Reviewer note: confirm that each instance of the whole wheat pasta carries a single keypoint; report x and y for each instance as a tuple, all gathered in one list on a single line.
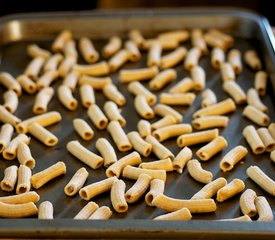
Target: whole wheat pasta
[(141, 74), (210, 122), (42, 134), (220, 108), (9, 82), (138, 189), (234, 58), (23, 181), (264, 209), (156, 187), (96, 188), (198, 173), (118, 60), (164, 110), (217, 57), (84, 155), (271, 129), (45, 119), (118, 135), (173, 58), (66, 97), (253, 99), (253, 139), (10, 152), (10, 101), (137, 88), (42, 100), (162, 79), (117, 196), (107, 151), (182, 99), (95, 70), (111, 92), (158, 149), (112, 112), (27, 84), (59, 43), (6, 132), (71, 80), (46, 79), (163, 122), (227, 72), (34, 67), (102, 213), (17, 210), (143, 108), (213, 41), (252, 59), (183, 86), (247, 202), (70, 49), (21, 198), (164, 164), (117, 168), (41, 178), (266, 138), (210, 189), (87, 95), (45, 210), (136, 36), (170, 131), (256, 116), (231, 189), (66, 66), (260, 178), (212, 148), (228, 40), (10, 178), (244, 218), (178, 35), (95, 82), (192, 58), (97, 117), (181, 214), (133, 51), (197, 40), (194, 205), (198, 76), (33, 50), (260, 82), (131, 172), (83, 129), (165, 43), (87, 50), (141, 146), (190, 139), (113, 46), (24, 155), (181, 159), (208, 98), (52, 63), (232, 158), (144, 128), (154, 54), (235, 91), (87, 211), (76, 182)]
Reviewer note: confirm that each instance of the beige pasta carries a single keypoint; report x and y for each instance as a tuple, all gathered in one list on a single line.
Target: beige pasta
[(66, 97), (95, 82), (76, 182), (260, 82), (84, 155), (235, 91), (143, 108), (24, 155), (210, 122), (141, 146), (21, 198), (136, 36), (10, 101), (197, 40), (178, 35), (181, 214), (111, 92), (42, 99), (27, 84), (59, 43), (266, 138), (181, 159), (23, 181), (247, 202), (71, 80), (70, 49), (256, 116), (95, 70), (182, 99), (164, 164), (163, 122), (107, 151), (260, 178), (112, 112), (164, 110), (156, 187), (97, 117), (173, 58), (118, 60), (253, 139), (88, 50), (154, 54), (183, 86), (131, 172), (198, 173), (232, 158), (6, 133), (227, 72), (116, 169), (144, 128), (66, 66), (46, 79), (252, 59), (17, 210), (87, 211), (141, 74), (254, 100), (192, 58), (10, 178), (228, 40), (208, 98), (234, 58), (9, 82), (271, 129), (133, 51), (190, 139), (272, 155), (244, 218), (118, 196), (210, 189), (217, 57), (83, 129), (34, 67), (162, 79), (87, 95), (198, 76), (113, 46), (42, 134), (53, 62), (264, 210), (102, 213), (34, 50), (231, 189), (137, 88), (45, 210), (212, 41), (41, 178)]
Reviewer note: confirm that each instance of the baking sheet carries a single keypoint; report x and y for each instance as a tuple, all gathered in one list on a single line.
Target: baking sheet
[(250, 32)]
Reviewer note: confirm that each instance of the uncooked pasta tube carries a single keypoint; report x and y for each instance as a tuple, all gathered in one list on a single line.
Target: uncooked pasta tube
[(260, 178), (24, 155), (21, 198), (183, 86), (173, 58), (232, 158), (194, 205), (133, 51), (266, 138), (118, 60), (192, 58), (66, 66), (102, 213), (23, 181), (71, 80), (198, 173), (66, 97), (208, 98), (260, 82), (107, 151), (10, 101), (34, 67), (163, 122), (154, 54), (197, 40), (87, 211), (220, 108), (272, 155), (164, 164), (253, 139), (6, 132), (244, 218), (213, 41), (271, 129), (198, 76), (53, 62), (17, 210), (111, 92), (234, 58), (137, 88), (212, 148), (181, 214), (41, 178), (95, 82), (117, 168), (42, 100), (252, 59), (256, 116), (118, 135), (143, 108), (164, 110), (210, 122), (141, 146), (227, 72), (228, 40), (141, 74), (9, 82), (76, 182), (182, 99), (235, 91), (97, 117), (138, 189), (181, 159), (113, 46), (247, 202), (162, 79), (112, 112), (197, 137), (83, 129), (136, 36), (70, 49), (84, 155), (210, 189), (27, 84), (95, 70), (178, 35), (158, 149), (7, 117), (253, 99), (34, 50), (118, 196), (231, 189), (59, 43), (87, 95), (156, 187), (96, 188), (217, 57), (88, 50), (46, 79), (45, 210), (144, 128), (10, 178), (131, 172), (264, 209)]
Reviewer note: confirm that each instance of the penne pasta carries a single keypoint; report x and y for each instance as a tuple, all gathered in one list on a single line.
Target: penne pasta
[(137, 88), (10, 101), (97, 117), (156, 188), (162, 79), (254, 100), (266, 138), (197, 40), (264, 209), (181, 214), (235, 91), (107, 151), (154, 54), (181, 159), (27, 84), (260, 82), (217, 57), (46, 79), (87, 95), (87, 211), (53, 62), (182, 99), (83, 129), (71, 80), (133, 51), (23, 181), (173, 58), (10, 83), (183, 86), (66, 97), (112, 112), (164, 164), (141, 74), (111, 92), (143, 108), (131, 172), (118, 60), (163, 122), (192, 58), (95, 82), (6, 133), (9, 179), (164, 110), (252, 59), (227, 72), (234, 58), (34, 67), (45, 210), (24, 155), (256, 116), (231, 189), (208, 98), (135, 35), (102, 213), (59, 43), (33, 50), (17, 210), (87, 50), (247, 202), (144, 128), (21, 198), (113, 46), (253, 139), (198, 173), (141, 146), (42, 99), (117, 196), (95, 70)]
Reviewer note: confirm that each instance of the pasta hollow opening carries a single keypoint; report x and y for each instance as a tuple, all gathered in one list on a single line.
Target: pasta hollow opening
[(226, 165), (22, 189), (30, 163)]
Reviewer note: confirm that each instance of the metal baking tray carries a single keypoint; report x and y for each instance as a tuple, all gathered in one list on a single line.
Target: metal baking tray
[(249, 30)]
